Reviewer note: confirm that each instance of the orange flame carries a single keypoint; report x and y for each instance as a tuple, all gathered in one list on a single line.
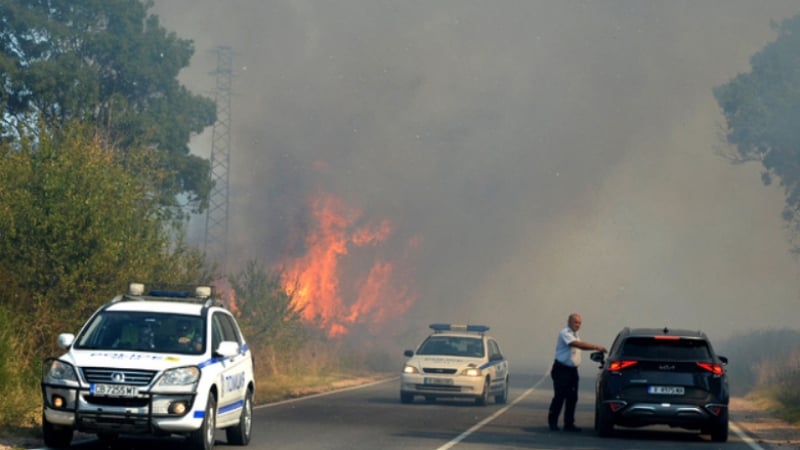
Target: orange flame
[(371, 293)]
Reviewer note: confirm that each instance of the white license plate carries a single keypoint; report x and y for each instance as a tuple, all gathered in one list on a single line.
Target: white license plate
[(115, 390), (665, 390), (443, 381)]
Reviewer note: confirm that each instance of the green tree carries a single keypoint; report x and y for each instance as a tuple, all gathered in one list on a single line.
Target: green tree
[(108, 62), (267, 315), (762, 111), (78, 221)]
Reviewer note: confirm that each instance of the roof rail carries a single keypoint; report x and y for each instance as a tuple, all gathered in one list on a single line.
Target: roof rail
[(178, 293)]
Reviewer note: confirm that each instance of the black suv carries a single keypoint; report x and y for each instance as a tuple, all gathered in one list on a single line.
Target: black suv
[(662, 377)]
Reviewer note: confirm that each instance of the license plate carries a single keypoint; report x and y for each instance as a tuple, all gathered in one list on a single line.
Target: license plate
[(115, 390), (665, 390), (444, 381)]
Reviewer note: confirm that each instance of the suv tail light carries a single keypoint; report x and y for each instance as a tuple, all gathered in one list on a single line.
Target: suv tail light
[(616, 405), (619, 365), (716, 369)]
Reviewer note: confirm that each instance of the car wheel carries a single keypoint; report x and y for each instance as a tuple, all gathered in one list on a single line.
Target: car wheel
[(56, 436), (603, 423), (239, 434), (719, 433), (483, 399), (503, 397), (203, 437), (406, 398)]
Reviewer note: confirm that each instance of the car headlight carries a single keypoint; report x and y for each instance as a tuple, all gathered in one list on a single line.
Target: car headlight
[(180, 379), (410, 369), (56, 371), (471, 372)]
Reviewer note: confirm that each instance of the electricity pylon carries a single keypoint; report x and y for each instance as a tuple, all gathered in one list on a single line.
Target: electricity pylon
[(216, 236)]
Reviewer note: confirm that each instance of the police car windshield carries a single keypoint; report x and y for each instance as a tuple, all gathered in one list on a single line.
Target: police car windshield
[(143, 331), (452, 346)]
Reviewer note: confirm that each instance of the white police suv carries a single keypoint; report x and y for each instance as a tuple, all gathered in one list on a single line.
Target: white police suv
[(456, 361), (156, 362)]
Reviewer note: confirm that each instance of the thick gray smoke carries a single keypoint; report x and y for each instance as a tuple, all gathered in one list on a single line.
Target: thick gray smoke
[(550, 157)]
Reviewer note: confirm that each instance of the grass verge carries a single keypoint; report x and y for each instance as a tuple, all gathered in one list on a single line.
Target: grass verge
[(283, 387), (781, 400)]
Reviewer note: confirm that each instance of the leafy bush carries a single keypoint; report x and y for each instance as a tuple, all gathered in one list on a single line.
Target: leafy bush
[(78, 221)]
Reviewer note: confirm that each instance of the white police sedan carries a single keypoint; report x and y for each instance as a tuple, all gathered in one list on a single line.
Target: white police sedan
[(456, 361)]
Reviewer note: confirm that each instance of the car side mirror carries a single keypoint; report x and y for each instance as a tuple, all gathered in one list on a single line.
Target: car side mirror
[(408, 353), (598, 357), (65, 340), (227, 349), (723, 359)]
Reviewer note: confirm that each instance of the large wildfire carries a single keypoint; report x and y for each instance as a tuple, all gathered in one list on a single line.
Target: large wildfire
[(345, 276)]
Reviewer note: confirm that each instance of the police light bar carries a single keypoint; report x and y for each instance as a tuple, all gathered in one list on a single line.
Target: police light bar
[(201, 292), (452, 327), (171, 294)]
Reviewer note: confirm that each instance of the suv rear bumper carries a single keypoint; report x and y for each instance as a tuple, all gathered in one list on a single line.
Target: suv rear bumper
[(672, 414)]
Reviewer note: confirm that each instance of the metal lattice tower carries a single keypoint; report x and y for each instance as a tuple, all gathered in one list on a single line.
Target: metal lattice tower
[(216, 238)]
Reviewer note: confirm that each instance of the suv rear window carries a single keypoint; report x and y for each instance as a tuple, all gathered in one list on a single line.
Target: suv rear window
[(675, 350)]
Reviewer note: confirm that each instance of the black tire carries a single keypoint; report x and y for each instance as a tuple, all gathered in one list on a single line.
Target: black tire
[(603, 424), (56, 436), (719, 433), (203, 438), (240, 433), (406, 398), (502, 398), (483, 399)]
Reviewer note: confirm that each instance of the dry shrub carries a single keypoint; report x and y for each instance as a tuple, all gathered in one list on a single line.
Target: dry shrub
[(20, 404), (787, 388), (759, 358)]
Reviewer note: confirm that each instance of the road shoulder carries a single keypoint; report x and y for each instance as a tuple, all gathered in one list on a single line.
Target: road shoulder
[(754, 417)]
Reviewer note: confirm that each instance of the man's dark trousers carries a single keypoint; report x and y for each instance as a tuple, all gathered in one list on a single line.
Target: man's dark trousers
[(565, 386)]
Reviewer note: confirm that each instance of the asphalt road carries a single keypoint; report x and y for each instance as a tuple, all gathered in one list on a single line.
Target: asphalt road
[(372, 417)]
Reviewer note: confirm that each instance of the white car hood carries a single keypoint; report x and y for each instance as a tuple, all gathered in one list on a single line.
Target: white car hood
[(129, 359), (444, 362)]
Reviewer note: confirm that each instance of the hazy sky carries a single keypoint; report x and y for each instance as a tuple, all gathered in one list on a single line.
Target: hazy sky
[(549, 156)]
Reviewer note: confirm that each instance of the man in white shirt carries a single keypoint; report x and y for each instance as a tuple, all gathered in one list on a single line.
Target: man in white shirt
[(565, 373)]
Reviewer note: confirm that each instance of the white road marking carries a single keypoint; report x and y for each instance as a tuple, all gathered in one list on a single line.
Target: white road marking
[(744, 437), (487, 420)]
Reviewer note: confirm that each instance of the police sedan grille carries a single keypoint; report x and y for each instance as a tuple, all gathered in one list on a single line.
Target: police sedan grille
[(438, 370), (105, 375)]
